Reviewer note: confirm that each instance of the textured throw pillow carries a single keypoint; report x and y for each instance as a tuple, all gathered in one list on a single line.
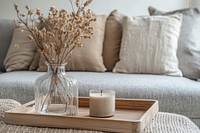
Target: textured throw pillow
[(149, 45), (20, 53), (112, 40), (189, 41), (89, 57)]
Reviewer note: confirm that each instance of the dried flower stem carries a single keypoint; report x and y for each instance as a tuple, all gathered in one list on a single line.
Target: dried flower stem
[(63, 31)]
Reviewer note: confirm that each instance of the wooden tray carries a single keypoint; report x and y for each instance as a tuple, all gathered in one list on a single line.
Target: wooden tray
[(131, 116)]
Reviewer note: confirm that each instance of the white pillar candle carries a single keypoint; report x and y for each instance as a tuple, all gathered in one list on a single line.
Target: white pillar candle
[(102, 103)]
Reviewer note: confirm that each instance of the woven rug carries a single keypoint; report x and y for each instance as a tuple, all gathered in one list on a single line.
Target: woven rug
[(162, 123)]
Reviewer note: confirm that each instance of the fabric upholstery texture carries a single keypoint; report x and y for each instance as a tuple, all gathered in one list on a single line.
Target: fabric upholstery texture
[(175, 94), (112, 40), (163, 122), (189, 42), (89, 57), (20, 53), (149, 45), (171, 123), (6, 32)]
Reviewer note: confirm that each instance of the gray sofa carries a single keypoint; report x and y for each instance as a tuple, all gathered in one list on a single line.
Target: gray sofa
[(175, 94)]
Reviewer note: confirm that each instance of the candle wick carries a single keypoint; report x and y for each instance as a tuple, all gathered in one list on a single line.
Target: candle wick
[(101, 92)]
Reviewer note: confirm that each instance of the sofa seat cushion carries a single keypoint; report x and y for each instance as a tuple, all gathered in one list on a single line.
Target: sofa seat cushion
[(18, 85), (175, 94)]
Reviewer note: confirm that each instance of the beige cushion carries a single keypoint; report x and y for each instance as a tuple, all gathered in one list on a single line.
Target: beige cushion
[(89, 57), (35, 62), (149, 45), (112, 40), (20, 53)]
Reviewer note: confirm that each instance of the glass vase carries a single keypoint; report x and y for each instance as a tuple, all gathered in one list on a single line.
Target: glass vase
[(56, 92)]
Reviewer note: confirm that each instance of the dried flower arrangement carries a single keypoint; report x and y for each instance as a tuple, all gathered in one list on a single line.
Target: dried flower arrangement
[(62, 31)]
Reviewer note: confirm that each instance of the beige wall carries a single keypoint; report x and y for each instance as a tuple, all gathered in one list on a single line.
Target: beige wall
[(129, 7)]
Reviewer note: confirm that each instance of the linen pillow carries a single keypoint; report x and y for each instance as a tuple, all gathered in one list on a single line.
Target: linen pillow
[(89, 57), (112, 40), (189, 41), (149, 45), (20, 53)]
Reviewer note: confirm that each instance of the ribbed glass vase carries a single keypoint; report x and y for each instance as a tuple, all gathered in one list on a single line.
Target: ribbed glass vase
[(56, 92)]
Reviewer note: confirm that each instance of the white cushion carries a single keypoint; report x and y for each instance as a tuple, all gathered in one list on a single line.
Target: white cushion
[(149, 45)]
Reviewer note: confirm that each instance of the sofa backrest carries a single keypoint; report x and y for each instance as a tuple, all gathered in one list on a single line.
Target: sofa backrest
[(6, 31)]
